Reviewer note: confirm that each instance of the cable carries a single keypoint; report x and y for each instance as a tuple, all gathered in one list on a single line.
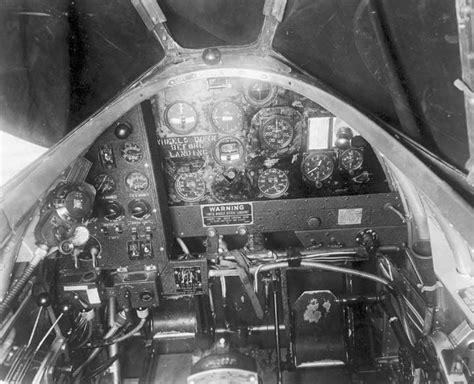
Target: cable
[(119, 339), (96, 351), (101, 368)]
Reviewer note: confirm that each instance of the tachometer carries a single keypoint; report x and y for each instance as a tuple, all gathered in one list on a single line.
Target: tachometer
[(137, 181), (351, 159), (181, 117), (190, 187), (273, 183), (227, 117), (277, 133), (317, 167), (104, 184), (131, 152)]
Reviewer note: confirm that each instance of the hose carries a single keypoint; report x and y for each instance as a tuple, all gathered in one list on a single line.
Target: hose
[(323, 266), (40, 253)]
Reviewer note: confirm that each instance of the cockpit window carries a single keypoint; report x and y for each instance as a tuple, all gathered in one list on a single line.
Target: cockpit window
[(16, 154), (336, 42), (201, 24)]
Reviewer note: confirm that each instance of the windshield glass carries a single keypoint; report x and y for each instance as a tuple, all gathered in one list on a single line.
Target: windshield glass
[(64, 60)]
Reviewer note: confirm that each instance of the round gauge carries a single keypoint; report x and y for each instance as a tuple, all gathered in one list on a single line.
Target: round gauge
[(181, 117), (273, 183), (137, 181), (260, 93), (104, 184), (227, 117), (139, 209), (231, 186), (131, 152), (190, 187), (229, 151), (276, 133), (317, 167), (112, 211), (351, 159)]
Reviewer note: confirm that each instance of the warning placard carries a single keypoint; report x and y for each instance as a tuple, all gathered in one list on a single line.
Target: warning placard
[(227, 214)]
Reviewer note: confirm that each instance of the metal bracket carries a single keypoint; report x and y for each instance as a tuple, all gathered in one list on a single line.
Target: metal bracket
[(155, 20), (273, 10)]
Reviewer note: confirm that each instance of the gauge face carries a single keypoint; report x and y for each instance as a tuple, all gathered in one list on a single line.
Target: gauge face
[(131, 152), (190, 187), (139, 209), (112, 211), (137, 181), (317, 167), (229, 151), (273, 183), (260, 93), (227, 117), (104, 184), (181, 117), (351, 159), (277, 133)]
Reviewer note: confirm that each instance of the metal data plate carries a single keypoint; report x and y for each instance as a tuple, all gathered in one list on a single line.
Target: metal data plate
[(224, 376)]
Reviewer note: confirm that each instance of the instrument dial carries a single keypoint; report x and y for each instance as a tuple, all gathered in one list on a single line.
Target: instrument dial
[(112, 211), (317, 167), (139, 209), (104, 184), (351, 159), (227, 117), (137, 181), (181, 117), (190, 187), (277, 133), (260, 93), (131, 152), (273, 183), (229, 151)]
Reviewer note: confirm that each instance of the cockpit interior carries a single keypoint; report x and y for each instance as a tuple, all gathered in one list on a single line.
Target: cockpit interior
[(229, 218)]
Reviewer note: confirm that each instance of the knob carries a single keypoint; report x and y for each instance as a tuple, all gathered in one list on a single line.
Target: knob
[(43, 299), (146, 296), (314, 222), (211, 56), (65, 308), (139, 209), (123, 130)]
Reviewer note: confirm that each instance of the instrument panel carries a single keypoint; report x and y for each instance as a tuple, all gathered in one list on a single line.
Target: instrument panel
[(231, 157), (241, 140)]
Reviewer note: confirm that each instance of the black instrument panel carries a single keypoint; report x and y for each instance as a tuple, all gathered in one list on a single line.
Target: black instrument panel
[(131, 214), (230, 140)]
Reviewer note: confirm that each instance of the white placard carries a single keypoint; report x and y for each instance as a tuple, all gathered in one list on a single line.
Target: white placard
[(318, 132)]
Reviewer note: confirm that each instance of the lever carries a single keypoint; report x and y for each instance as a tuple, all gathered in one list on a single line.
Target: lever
[(43, 300), (65, 309)]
